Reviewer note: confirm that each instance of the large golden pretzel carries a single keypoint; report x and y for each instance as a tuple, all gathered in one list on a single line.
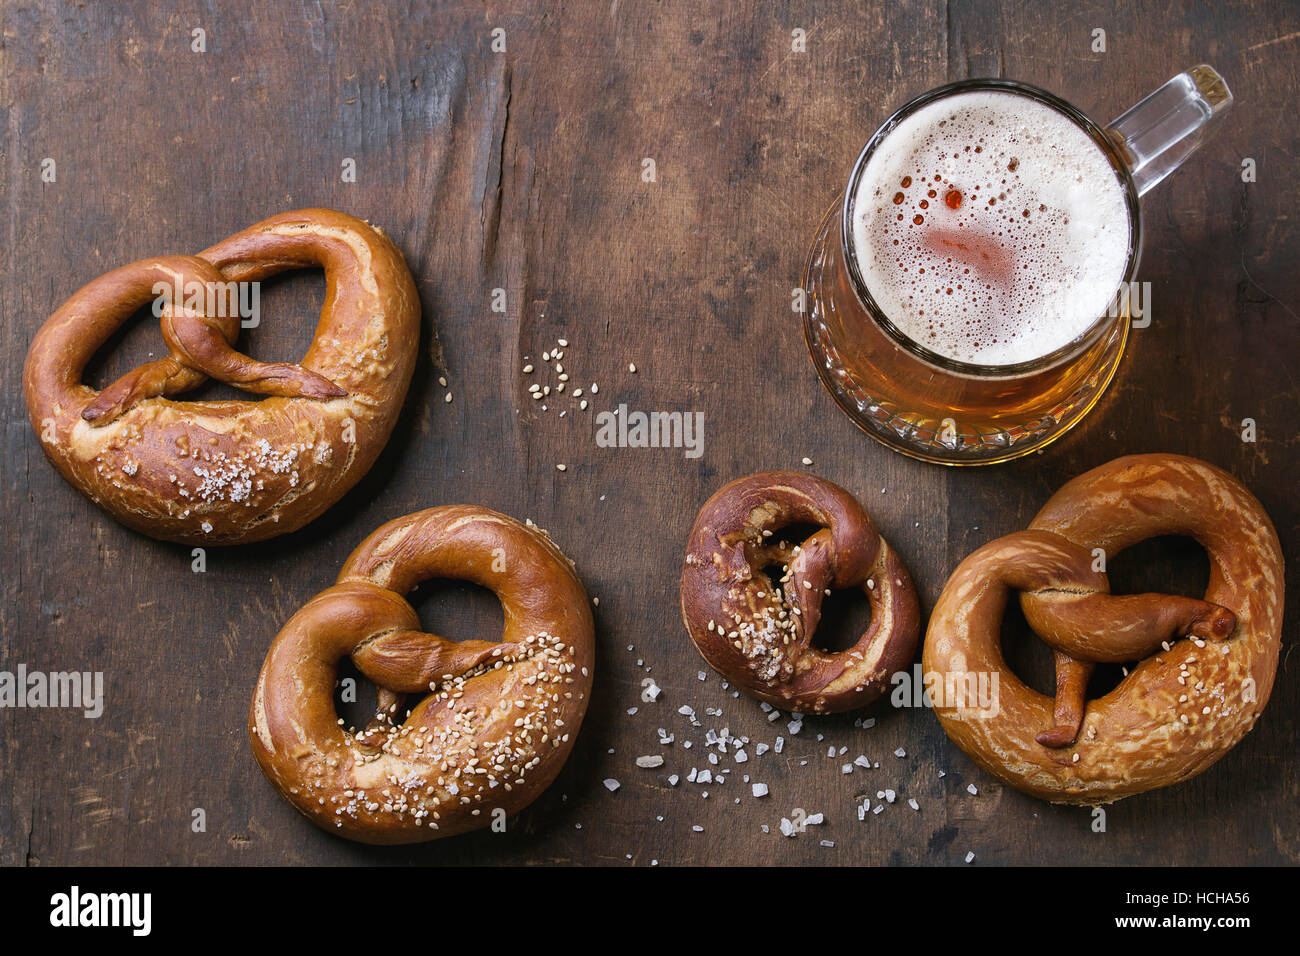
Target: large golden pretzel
[(229, 472), (498, 719), (1201, 671)]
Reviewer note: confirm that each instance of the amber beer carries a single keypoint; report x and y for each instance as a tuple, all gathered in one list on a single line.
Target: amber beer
[(966, 301)]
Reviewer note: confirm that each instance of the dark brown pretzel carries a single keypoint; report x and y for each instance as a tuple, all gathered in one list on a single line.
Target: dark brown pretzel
[(227, 472), (498, 719), (1184, 703), (759, 634)]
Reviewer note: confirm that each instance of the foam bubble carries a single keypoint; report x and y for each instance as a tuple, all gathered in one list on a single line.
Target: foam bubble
[(990, 228)]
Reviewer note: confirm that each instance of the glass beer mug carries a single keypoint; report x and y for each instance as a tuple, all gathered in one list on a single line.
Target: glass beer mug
[(1025, 213)]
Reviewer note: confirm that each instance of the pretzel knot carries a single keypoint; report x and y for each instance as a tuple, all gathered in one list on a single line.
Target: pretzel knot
[(497, 720), (758, 632), (226, 472), (1200, 671)]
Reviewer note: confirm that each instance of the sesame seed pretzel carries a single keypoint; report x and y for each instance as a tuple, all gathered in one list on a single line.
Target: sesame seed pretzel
[(758, 633), (498, 719), (230, 472), (1183, 705)]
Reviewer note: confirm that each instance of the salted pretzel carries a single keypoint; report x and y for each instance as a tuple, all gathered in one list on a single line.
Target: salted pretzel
[(757, 632), (229, 472), (1200, 671), (498, 719)]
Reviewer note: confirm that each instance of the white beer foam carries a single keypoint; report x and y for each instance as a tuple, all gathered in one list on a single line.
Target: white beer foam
[(1000, 282)]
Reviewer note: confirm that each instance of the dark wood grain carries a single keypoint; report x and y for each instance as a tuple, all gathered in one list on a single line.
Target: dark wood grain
[(522, 171)]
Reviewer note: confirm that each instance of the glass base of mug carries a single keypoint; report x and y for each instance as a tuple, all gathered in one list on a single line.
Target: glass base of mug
[(929, 413)]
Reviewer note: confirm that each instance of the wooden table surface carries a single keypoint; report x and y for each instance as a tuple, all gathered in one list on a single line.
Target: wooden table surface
[(522, 170)]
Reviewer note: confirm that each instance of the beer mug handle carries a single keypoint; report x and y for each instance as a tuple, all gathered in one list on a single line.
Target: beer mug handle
[(1157, 134)]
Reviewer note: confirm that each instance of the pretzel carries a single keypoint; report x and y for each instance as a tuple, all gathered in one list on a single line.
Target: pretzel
[(229, 472), (1183, 705), (757, 633), (498, 719)]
